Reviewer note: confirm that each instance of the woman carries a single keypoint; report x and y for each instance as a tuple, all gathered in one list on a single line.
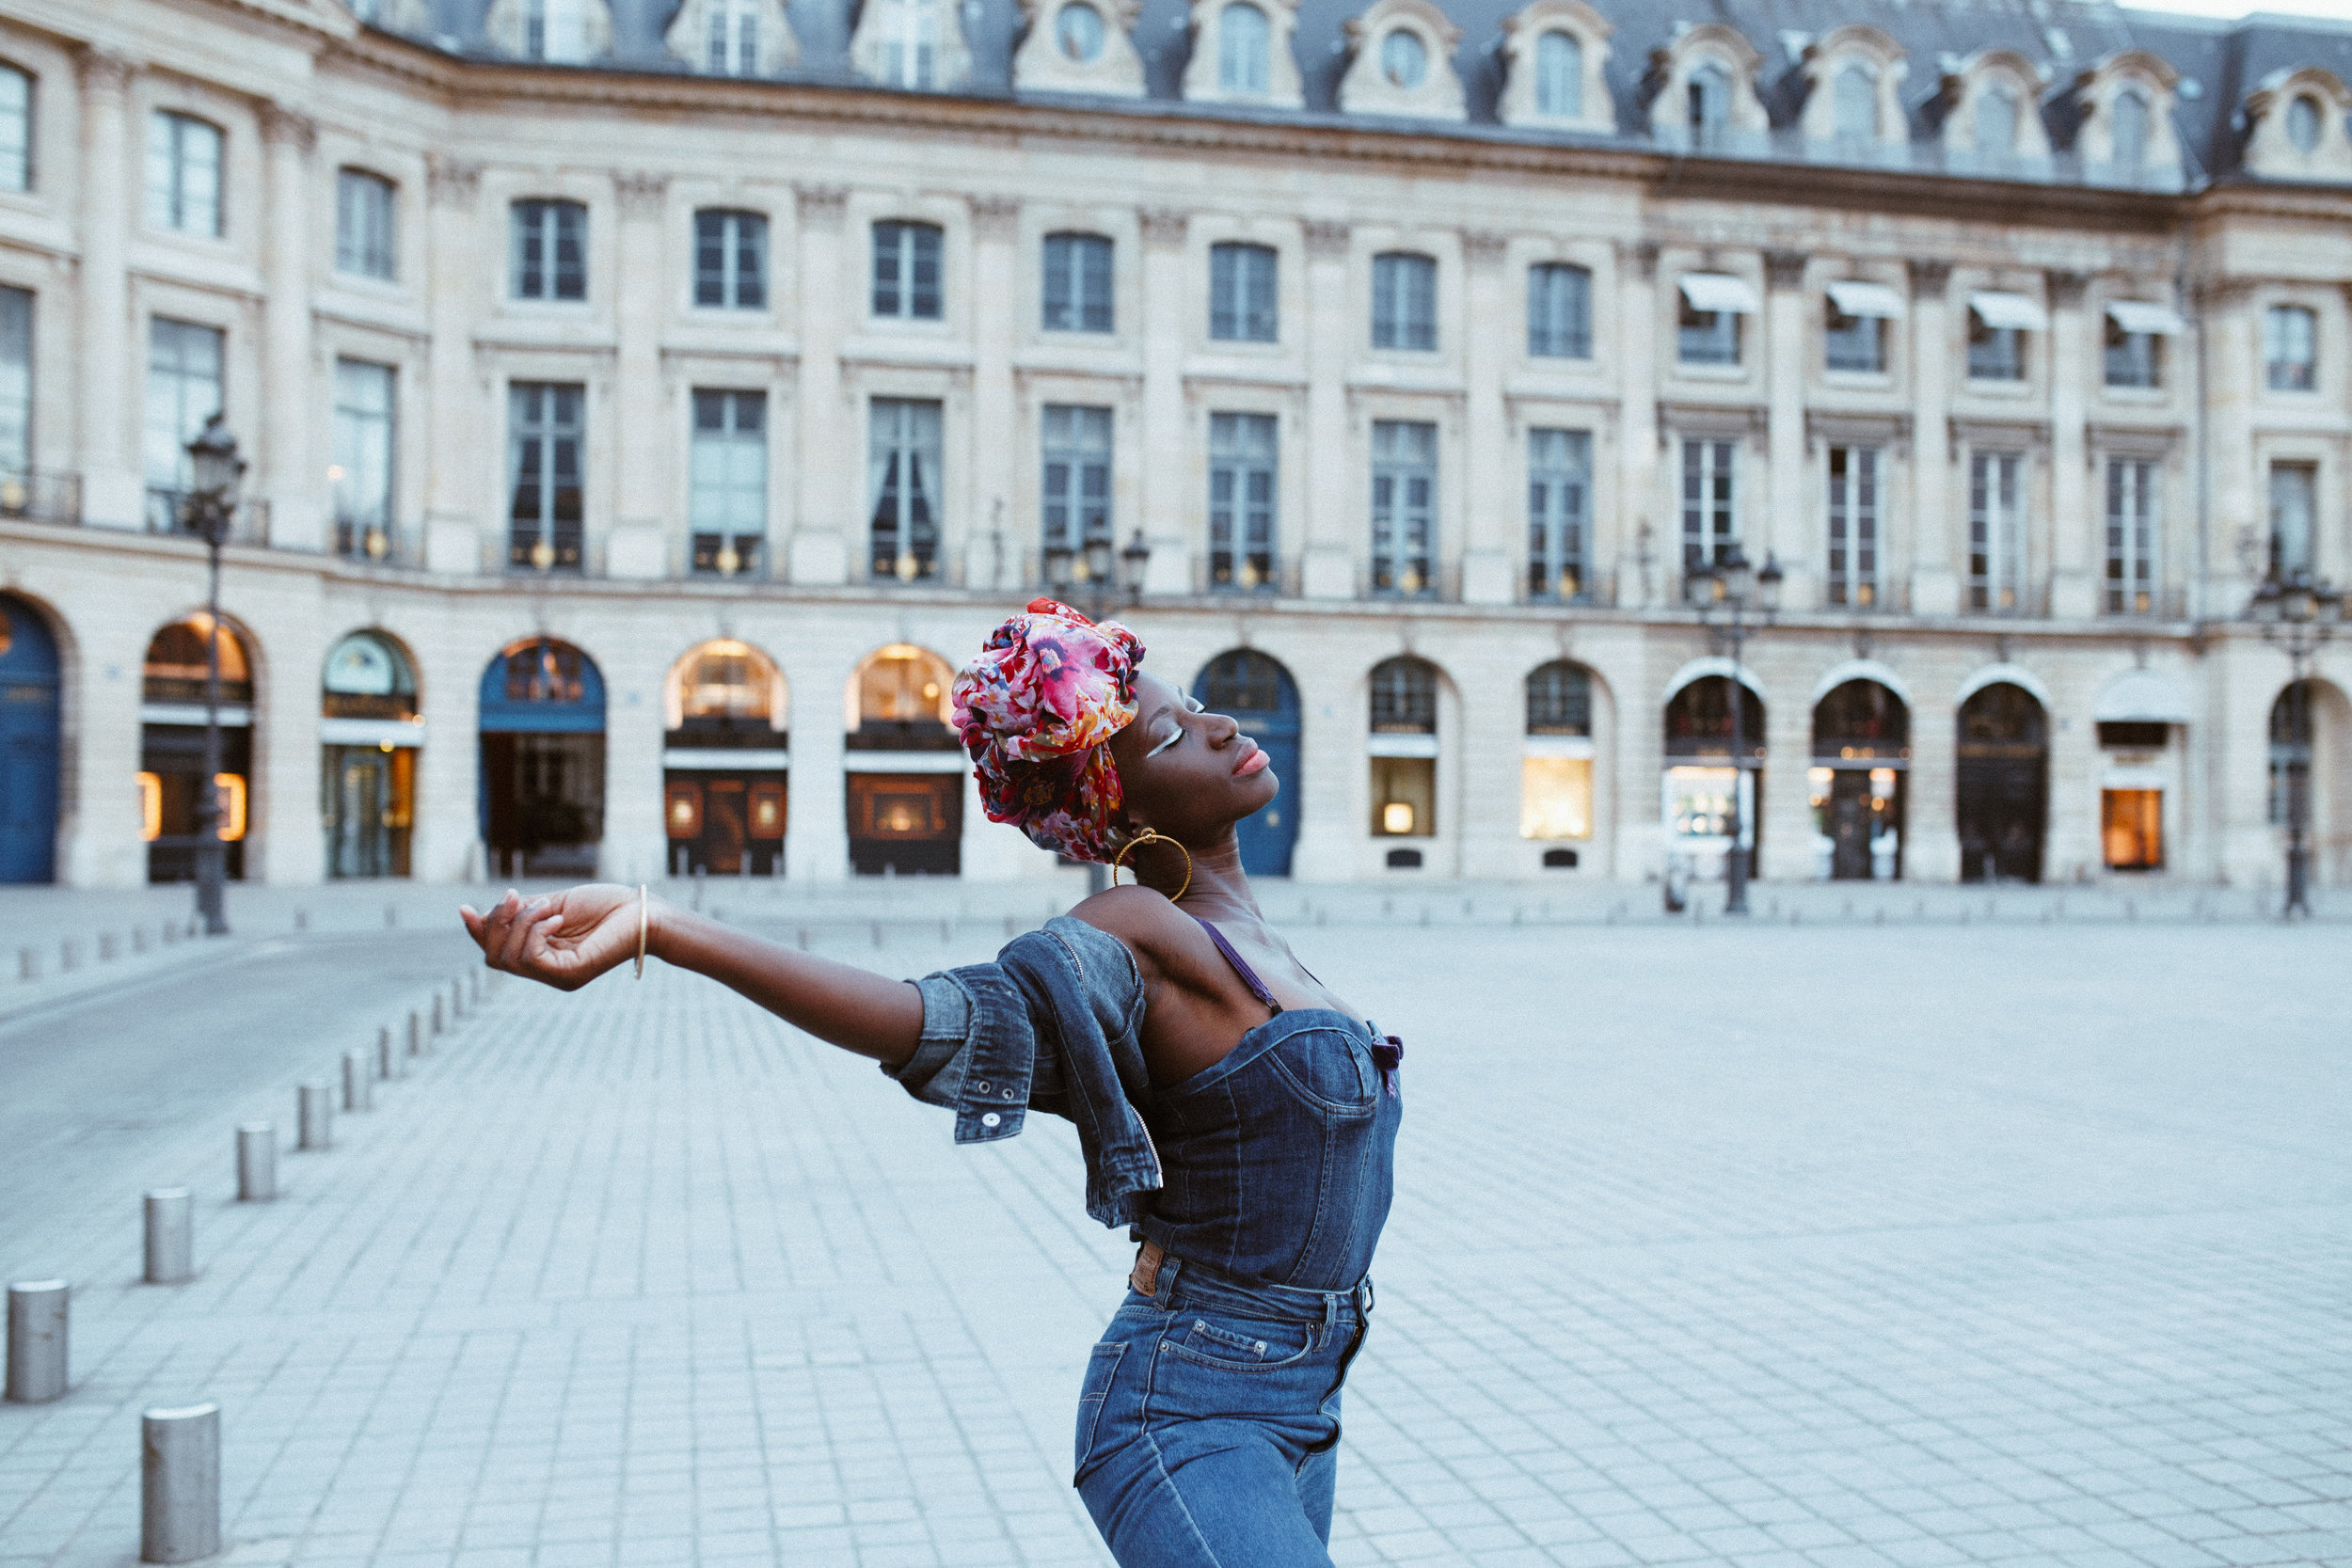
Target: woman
[(1233, 1112)]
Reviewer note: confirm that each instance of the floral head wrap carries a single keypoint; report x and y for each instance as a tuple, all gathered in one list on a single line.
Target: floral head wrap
[(1035, 708)]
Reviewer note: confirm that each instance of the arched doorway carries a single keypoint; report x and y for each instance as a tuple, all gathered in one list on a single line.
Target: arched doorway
[(725, 761), (904, 767), (1703, 779), (1556, 763), (1861, 763), (2310, 766), (1254, 689), (1403, 753), (368, 739), (29, 744), (542, 723), (172, 745), (2003, 791)]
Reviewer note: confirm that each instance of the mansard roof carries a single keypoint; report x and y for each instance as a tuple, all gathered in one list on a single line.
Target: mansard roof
[(2219, 64)]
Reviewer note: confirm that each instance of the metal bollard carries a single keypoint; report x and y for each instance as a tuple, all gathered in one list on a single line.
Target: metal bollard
[(69, 956), (358, 1084), (140, 941), (316, 1113), (109, 947), (37, 1341), (417, 1046), (28, 963), (257, 1163), (474, 983), (386, 1060), (456, 1002), (170, 1237), (437, 1026), (180, 1484)]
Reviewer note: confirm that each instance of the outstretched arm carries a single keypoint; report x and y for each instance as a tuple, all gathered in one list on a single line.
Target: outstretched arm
[(567, 939)]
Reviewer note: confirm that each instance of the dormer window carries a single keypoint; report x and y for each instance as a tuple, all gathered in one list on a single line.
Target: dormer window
[(1854, 106), (2297, 122), (1707, 102), (1079, 30), (1996, 123), (1403, 58), (2130, 130), (911, 46), (1242, 38), (918, 45), (1560, 76), (2303, 122), (1553, 55), (1403, 62), (1852, 75), (1079, 46)]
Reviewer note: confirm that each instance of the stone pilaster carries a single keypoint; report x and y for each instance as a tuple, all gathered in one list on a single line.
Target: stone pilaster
[(293, 472), (1790, 530), (644, 481), (1633, 552), (465, 463), (113, 490), (996, 540), (1487, 483), (1934, 585), (1329, 562), (831, 461), (1169, 496), (2075, 358)]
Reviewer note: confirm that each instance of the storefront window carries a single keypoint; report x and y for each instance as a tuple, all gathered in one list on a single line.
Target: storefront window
[(2131, 829)]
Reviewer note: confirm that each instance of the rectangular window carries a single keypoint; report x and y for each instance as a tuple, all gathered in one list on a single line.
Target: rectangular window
[(2132, 357), (1555, 798), (363, 224), (1710, 515), (727, 501), (544, 464), (1405, 302), (906, 271), (2135, 528), (184, 389), (2131, 829), (1241, 502), (910, 32), (2294, 514), (551, 250), (555, 30), (16, 130), (733, 38), (1404, 506), (1706, 337), (1995, 353), (1853, 343), (2291, 348), (363, 472), (1853, 527), (1077, 281), (182, 174), (1996, 532), (1076, 491), (1241, 293), (902, 478), (731, 260), (16, 385), (1559, 311), (1559, 507), (1405, 796)]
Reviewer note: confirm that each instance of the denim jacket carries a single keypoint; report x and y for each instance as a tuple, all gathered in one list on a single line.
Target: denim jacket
[(1054, 1023)]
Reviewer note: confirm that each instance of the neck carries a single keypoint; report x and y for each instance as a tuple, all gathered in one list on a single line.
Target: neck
[(1220, 888)]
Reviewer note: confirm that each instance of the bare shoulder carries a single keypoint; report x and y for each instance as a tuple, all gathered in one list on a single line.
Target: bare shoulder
[(1155, 929)]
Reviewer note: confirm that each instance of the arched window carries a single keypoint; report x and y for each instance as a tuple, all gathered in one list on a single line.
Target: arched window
[(1997, 121), (905, 769), (1556, 766), (1403, 749), (2303, 123), (2128, 129), (368, 677), (1560, 699), (542, 722), (176, 663), (31, 741), (1711, 785), (1854, 104), (1861, 761), (171, 779), (1404, 58), (724, 761), (1254, 688), (1708, 99), (902, 702), (2291, 752), (726, 687), (1242, 42), (2001, 792), (368, 739), (1559, 75)]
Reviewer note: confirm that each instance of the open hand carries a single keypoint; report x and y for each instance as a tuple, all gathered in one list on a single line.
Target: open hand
[(563, 940)]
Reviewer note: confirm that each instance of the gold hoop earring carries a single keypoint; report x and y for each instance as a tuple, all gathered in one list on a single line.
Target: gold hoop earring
[(1152, 836)]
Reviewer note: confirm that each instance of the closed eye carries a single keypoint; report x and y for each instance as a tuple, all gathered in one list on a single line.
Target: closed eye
[(1173, 735)]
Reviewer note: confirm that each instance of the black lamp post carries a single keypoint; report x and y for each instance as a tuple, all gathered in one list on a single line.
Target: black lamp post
[(208, 510), (1732, 587), (2299, 614), (1101, 573)]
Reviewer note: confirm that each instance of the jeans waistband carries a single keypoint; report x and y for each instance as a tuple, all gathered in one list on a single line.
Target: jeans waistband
[(1181, 1278)]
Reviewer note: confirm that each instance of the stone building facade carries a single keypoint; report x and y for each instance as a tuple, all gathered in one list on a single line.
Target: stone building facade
[(646, 408)]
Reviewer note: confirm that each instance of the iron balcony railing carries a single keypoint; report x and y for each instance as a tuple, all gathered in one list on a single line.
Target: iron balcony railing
[(40, 496), (167, 512)]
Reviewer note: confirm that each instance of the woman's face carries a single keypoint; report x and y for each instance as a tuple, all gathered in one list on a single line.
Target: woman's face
[(1185, 773)]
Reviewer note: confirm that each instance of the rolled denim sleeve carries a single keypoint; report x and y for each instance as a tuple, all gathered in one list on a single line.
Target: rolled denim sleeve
[(935, 1072)]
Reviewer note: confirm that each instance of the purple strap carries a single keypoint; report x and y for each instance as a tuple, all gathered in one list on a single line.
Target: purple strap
[(1241, 966)]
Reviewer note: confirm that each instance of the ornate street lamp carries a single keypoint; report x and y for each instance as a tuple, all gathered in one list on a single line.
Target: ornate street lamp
[(208, 511), (1733, 587), (2299, 614)]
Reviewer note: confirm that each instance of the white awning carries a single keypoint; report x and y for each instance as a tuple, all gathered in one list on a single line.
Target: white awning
[(1869, 299), (712, 760), (1572, 746), (2140, 315), (2013, 311), (1720, 291), (905, 762), (1401, 746), (236, 715), (2140, 697), (372, 732)]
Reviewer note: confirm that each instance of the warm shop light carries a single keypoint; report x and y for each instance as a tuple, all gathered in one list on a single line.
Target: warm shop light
[(231, 787), (150, 807), (1397, 817)]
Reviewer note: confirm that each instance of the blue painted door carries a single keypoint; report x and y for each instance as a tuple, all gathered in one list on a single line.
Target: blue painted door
[(28, 745), (1255, 689)]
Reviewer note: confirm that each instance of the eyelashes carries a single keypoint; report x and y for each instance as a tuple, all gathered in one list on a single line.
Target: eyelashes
[(1193, 705)]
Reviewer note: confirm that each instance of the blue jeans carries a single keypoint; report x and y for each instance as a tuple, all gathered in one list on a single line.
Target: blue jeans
[(1209, 1423)]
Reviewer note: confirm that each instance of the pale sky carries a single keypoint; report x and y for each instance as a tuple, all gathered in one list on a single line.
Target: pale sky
[(2335, 10)]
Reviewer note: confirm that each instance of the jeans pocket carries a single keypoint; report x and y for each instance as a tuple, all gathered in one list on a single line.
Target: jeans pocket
[(1101, 1367), (1241, 1344)]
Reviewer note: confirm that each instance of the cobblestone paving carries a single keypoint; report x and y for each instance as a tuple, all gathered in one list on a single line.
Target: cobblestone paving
[(1758, 1246)]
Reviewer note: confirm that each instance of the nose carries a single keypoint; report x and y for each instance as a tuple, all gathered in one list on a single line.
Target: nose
[(1225, 728)]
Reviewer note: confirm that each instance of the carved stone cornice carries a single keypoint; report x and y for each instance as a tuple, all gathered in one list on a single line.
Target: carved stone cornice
[(284, 127), (1484, 247), (1784, 269), (1930, 279), (105, 70), (1325, 238), (639, 194), (2068, 288), (1163, 227), (451, 182), (1644, 254), (995, 217), (822, 206)]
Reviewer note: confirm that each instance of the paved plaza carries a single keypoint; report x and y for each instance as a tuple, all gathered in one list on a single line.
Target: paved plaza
[(1810, 1247)]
